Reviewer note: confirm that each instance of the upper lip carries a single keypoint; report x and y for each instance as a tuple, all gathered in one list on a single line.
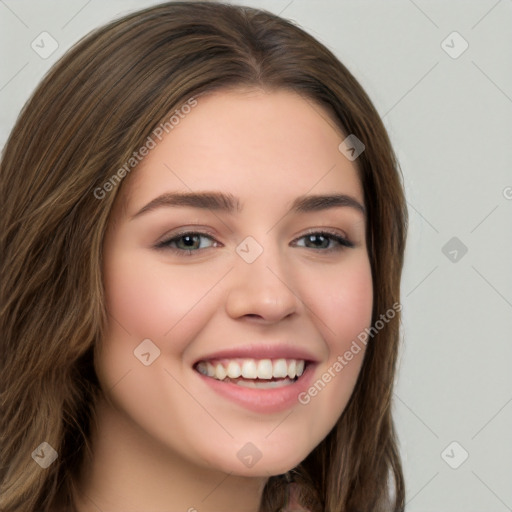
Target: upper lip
[(275, 351)]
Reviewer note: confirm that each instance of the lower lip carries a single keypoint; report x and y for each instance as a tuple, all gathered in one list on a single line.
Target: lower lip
[(263, 400)]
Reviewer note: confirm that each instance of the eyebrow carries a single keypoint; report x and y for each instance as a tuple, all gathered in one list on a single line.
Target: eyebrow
[(219, 201)]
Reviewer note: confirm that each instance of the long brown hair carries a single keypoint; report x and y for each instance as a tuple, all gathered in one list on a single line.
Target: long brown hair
[(97, 106)]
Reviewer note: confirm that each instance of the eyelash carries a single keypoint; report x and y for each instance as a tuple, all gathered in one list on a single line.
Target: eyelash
[(343, 243)]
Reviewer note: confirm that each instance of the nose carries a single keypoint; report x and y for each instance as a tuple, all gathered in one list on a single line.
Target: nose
[(261, 290)]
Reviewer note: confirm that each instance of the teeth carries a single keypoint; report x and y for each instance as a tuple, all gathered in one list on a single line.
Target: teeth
[(220, 372), (234, 371), (265, 369), (292, 369), (252, 369), (280, 369), (249, 369), (264, 384), (201, 368)]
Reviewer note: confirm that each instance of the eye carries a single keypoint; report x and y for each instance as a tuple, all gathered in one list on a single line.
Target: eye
[(324, 240), (187, 242)]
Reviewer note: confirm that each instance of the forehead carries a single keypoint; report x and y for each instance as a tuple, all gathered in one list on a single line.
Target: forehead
[(260, 146)]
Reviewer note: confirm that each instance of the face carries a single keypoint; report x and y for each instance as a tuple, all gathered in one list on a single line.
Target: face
[(237, 278)]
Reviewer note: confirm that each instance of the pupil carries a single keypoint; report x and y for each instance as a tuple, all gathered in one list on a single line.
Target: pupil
[(189, 241), (317, 240)]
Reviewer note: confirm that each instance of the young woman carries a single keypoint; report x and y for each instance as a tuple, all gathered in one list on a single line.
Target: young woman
[(202, 240)]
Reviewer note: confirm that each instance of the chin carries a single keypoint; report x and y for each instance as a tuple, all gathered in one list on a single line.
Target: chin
[(251, 461)]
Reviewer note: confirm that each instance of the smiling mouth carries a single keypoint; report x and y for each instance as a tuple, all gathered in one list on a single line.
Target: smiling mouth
[(254, 373)]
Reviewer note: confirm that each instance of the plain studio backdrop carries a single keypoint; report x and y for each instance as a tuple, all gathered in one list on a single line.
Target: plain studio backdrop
[(439, 74)]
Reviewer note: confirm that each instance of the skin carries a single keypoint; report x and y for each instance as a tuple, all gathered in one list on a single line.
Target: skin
[(164, 440)]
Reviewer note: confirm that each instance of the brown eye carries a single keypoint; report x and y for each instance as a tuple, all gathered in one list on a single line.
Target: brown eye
[(317, 241), (324, 241)]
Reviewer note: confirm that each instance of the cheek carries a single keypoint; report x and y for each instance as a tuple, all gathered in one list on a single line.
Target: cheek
[(153, 300), (351, 306), (343, 299), (342, 304)]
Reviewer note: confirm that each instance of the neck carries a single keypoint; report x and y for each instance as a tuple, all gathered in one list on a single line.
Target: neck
[(130, 471)]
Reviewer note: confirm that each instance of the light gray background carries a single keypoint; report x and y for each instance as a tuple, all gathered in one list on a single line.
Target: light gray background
[(450, 122)]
